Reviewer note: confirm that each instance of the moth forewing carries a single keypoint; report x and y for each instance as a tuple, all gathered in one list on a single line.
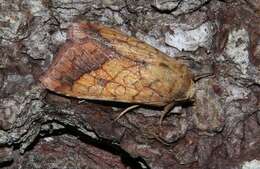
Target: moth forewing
[(102, 63)]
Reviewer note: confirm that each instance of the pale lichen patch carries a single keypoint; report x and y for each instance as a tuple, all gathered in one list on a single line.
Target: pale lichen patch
[(254, 164), (237, 49), (191, 40)]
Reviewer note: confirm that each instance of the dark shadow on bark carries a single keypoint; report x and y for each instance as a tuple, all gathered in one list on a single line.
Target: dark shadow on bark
[(104, 144)]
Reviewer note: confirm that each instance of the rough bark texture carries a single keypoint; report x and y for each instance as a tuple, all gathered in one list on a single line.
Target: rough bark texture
[(220, 130)]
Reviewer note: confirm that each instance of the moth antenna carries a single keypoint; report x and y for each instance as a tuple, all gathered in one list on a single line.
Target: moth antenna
[(166, 110), (201, 76), (161, 140), (125, 111)]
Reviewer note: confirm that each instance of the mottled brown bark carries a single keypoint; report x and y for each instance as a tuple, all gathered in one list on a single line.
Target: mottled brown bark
[(220, 129)]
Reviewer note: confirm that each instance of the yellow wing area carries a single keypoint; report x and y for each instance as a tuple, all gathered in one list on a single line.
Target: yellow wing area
[(124, 80), (126, 70)]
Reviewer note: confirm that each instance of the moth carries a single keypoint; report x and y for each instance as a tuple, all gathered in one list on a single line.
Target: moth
[(98, 62)]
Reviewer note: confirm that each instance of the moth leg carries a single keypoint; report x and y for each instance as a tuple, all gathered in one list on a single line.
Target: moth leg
[(125, 111), (166, 110), (161, 140)]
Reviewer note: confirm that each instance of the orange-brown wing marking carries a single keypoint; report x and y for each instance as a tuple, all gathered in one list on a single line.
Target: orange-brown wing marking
[(118, 79), (168, 77), (106, 64), (73, 60)]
